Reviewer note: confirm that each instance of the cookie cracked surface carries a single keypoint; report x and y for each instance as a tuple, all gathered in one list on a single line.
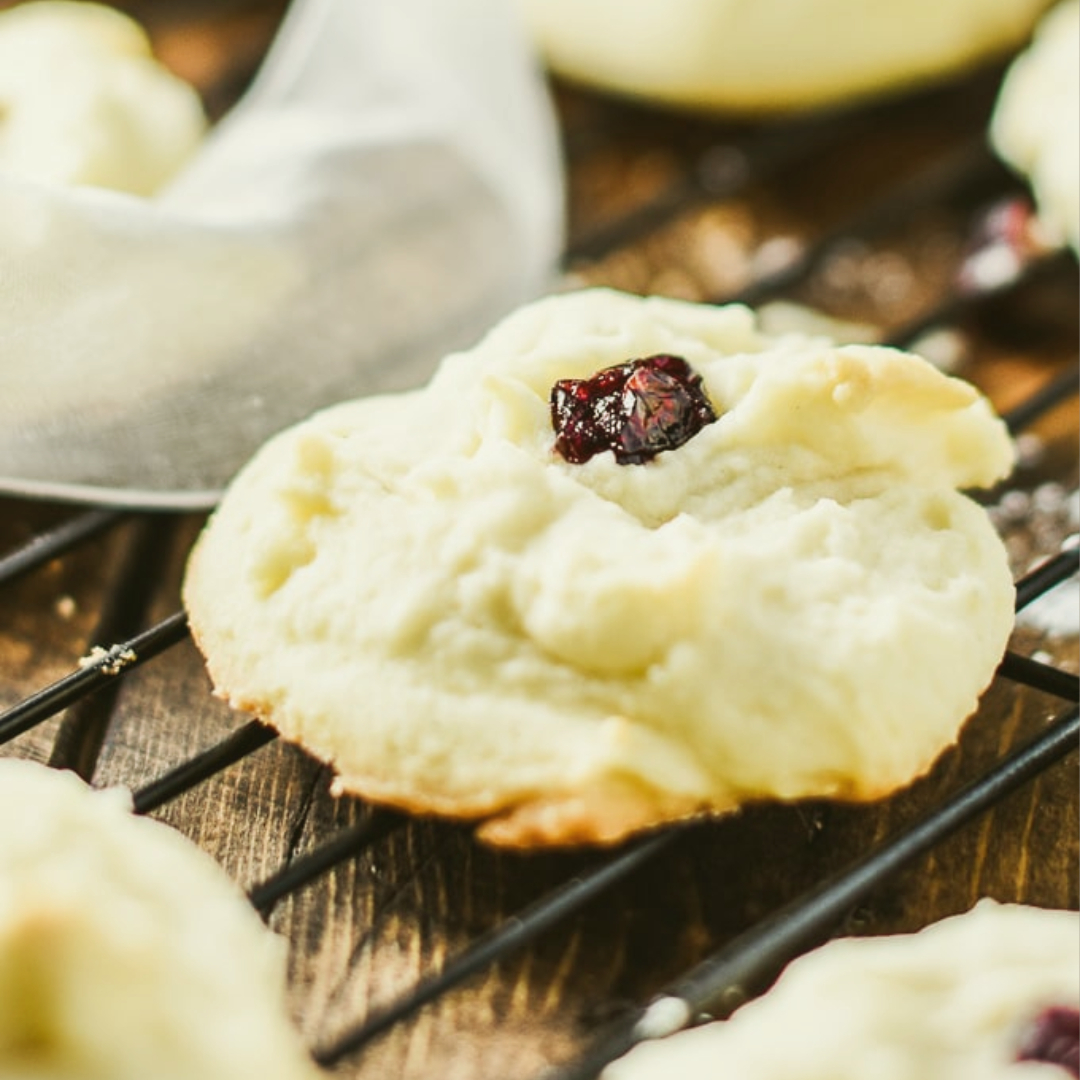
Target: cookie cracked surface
[(795, 602)]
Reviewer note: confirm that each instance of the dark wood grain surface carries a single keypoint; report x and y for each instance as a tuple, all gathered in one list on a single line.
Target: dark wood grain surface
[(378, 922)]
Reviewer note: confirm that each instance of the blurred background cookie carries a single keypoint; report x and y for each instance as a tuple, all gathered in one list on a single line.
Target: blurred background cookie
[(125, 951), (84, 101), (1036, 125), (735, 56), (993, 993)]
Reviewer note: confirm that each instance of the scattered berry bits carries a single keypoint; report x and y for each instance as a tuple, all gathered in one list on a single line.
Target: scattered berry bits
[(636, 410), (1054, 1038)]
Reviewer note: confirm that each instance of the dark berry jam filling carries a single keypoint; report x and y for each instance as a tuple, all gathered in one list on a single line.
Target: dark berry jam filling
[(636, 410), (1054, 1038)]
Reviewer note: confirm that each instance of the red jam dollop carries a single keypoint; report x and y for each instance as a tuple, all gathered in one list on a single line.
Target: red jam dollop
[(636, 410), (1054, 1038)]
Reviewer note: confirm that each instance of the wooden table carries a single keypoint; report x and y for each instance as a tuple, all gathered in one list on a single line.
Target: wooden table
[(370, 928)]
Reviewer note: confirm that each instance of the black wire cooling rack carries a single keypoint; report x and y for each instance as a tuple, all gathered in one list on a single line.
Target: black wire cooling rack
[(694, 171)]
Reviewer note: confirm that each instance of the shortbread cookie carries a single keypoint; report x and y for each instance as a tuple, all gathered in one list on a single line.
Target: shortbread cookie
[(83, 101), (992, 994), (422, 590), (1036, 123), (126, 953), (771, 55)]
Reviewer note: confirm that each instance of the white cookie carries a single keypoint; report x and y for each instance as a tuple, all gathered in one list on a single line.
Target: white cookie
[(959, 1000), (771, 54), (83, 101), (125, 951), (1036, 122), (796, 602)]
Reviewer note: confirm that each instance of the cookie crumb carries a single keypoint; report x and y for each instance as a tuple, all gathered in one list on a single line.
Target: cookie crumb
[(109, 661)]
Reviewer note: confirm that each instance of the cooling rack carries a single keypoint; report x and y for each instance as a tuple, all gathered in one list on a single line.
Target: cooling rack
[(415, 951)]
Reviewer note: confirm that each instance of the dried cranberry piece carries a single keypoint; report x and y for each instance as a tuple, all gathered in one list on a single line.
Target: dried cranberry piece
[(636, 410), (1054, 1038)]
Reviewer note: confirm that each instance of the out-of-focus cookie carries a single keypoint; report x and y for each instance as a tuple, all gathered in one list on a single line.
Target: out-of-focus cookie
[(83, 101), (421, 589), (1036, 122), (126, 953), (991, 994), (766, 56)]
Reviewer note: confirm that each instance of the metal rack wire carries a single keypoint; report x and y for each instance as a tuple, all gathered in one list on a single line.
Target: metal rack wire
[(745, 963)]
